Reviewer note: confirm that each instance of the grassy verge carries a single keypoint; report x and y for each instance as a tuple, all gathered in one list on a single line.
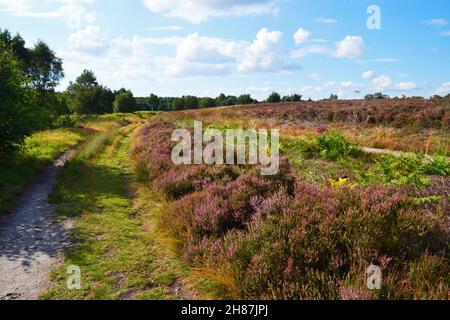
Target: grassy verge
[(42, 148), (39, 151), (116, 245)]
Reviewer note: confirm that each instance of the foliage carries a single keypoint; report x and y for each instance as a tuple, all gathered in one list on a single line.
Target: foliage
[(206, 103), (292, 98), (376, 96), (124, 103), (86, 96), (284, 239), (274, 98), (19, 111), (331, 145)]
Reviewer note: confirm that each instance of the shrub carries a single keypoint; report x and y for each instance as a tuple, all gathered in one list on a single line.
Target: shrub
[(20, 114), (124, 103)]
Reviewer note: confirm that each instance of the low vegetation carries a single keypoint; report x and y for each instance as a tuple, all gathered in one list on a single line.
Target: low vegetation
[(283, 237)]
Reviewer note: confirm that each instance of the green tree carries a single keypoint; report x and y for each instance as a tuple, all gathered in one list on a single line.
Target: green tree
[(292, 98), (274, 98), (190, 102), (221, 100), (153, 102), (333, 97), (19, 114), (245, 99), (207, 103), (124, 103), (86, 96)]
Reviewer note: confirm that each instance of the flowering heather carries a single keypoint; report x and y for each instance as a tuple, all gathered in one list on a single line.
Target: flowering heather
[(279, 238)]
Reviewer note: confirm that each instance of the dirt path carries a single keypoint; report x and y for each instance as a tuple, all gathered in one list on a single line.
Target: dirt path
[(30, 240)]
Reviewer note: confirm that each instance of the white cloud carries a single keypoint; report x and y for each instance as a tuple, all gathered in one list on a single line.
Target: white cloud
[(324, 20), (314, 76), (350, 47), (382, 82), (265, 54), (204, 56), (405, 86), (198, 11), (445, 33), (444, 89), (311, 49), (165, 28), (73, 11), (91, 37), (369, 74), (301, 36), (440, 22)]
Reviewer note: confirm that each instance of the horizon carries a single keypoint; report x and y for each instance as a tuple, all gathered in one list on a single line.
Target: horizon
[(199, 48)]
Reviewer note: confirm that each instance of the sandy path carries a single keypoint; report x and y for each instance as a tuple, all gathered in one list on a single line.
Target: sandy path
[(30, 241)]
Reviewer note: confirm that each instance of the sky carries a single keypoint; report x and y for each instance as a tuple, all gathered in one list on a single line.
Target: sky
[(205, 47)]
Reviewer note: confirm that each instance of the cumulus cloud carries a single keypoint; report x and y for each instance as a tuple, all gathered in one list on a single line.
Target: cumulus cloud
[(350, 47), (405, 86), (311, 49), (92, 37), (369, 74), (444, 89), (301, 36), (75, 12), (198, 11), (135, 59), (265, 54), (204, 56), (384, 83)]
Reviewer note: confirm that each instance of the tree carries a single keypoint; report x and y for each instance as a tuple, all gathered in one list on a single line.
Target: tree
[(246, 99), (333, 97), (45, 68), (124, 103), (40, 63), (153, 101), (42, 67), (177, 104), (376, 96), (292, 98), (220, 100), (274, 98), (19, 114), (86, 96), (190, 102), (206, 103)]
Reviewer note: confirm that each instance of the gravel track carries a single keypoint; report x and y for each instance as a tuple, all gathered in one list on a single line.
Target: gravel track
[(31, 242)]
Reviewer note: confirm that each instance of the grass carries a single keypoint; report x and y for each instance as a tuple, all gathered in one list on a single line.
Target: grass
[(42, 148), (39, 151), (116, 237)]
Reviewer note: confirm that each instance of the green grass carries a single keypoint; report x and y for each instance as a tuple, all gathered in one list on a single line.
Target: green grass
[(39, 151), (115, 244)]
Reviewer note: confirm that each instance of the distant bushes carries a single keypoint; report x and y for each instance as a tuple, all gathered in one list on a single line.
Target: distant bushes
[(278, 238)]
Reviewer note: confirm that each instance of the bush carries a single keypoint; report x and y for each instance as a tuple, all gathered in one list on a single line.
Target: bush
[(20, 114), (274, 98), (281, 239), (124, 103)]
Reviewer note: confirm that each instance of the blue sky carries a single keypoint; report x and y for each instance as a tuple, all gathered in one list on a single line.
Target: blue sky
[(205, 47)]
